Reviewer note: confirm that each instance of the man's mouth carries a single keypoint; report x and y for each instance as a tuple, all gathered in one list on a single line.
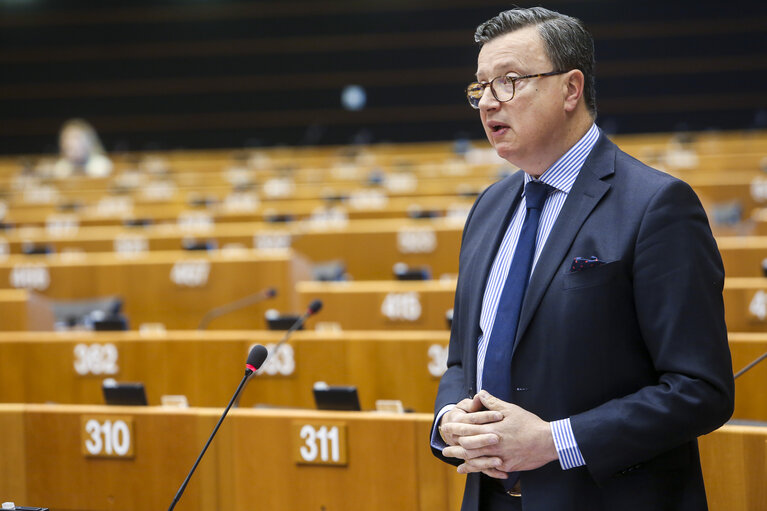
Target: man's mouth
[(497, 127)]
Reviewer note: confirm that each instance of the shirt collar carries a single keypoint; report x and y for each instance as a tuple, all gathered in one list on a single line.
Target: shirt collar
[(562, 174)]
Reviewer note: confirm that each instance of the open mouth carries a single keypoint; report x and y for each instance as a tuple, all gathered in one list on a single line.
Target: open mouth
[(497, 127)]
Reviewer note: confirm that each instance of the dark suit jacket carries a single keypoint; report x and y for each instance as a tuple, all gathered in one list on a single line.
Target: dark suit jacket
[(634, 351)]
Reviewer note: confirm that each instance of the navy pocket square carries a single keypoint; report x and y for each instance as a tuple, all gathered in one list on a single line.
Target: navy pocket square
[(583, 263)]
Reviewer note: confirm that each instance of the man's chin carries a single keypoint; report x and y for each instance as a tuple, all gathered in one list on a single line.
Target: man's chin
[(505, 151)]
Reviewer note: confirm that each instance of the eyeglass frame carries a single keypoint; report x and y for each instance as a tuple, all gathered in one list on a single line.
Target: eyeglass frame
[(513, 79)]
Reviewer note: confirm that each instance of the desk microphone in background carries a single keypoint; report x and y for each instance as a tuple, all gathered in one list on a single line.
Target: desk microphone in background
[(221, 310), (256, 358), (313, 308)]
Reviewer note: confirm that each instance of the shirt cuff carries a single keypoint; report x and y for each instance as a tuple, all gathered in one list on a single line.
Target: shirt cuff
[(567, 448), (436, 438)]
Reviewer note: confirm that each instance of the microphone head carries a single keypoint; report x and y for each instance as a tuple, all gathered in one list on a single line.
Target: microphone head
[(256, 357), (314, 307), (271, 292)]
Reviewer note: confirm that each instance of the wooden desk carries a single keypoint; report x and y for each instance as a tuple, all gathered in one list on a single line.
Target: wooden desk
[(369, 247), (394, 207), (250, 464), (206, 366), (24, 311), (743, 255), (383, 305), (745, 304), (172, 288), (734, 460), (750, 402)]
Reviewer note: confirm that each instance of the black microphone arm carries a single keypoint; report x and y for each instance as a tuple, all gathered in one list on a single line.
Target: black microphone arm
[(313, 308), (221, 310), (256, 358), (749, 366)]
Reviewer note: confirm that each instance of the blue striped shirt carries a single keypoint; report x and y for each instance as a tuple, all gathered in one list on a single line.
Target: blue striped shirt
[(561, 177)]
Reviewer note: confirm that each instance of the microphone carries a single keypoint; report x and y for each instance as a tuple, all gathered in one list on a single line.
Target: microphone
[(256, 358), (313, 308), (221, 310), (749, 366)]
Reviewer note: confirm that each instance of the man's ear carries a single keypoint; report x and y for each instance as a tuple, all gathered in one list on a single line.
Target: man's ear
[(573, 89)]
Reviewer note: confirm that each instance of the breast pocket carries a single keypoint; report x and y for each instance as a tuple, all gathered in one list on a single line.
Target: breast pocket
[(591, 277)]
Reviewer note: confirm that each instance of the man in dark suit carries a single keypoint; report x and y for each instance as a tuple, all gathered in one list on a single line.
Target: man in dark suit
[(588, 348)]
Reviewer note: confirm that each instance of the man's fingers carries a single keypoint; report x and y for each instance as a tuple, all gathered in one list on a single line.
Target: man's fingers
[(481, 417), (491, 402), (469, 405), (454, 451), (495, 473), (463, 429), (479, 464), (478, 441)]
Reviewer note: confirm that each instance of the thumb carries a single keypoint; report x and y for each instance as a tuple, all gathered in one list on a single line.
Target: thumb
[(491, 402)]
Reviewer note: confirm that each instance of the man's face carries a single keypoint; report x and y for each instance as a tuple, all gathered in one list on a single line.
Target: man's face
[(526, 129)]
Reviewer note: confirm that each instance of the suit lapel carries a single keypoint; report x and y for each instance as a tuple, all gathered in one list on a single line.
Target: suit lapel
[(486, 247), (586, 193)]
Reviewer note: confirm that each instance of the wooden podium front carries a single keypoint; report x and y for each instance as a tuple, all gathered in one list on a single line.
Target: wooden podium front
[(261, 459), (99, 458)]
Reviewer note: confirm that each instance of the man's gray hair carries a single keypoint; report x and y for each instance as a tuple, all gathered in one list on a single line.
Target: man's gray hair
[(567, 42)]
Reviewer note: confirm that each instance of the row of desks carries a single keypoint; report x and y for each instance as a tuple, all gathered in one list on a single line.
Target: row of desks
[(206, 366), (56, 456), (240, 207), (369, 248), (162, 198), (175, 289)]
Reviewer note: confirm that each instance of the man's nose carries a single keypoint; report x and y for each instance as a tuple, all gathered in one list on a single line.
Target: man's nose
[(488, 101)]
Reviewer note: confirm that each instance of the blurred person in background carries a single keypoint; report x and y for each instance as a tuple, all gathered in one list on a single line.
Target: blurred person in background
[(81, 152)]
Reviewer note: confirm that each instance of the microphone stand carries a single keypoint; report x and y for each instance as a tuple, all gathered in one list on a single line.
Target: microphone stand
[(749, 366), (180, 491), (235, 305)]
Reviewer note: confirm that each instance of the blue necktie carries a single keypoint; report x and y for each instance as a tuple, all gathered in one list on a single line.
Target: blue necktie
[(496, 376)]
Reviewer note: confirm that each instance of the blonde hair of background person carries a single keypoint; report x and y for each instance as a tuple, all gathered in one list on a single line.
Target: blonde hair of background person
[(81, 151)]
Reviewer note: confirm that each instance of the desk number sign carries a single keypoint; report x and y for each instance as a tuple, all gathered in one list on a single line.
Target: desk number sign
[(106, 436), (319, 444)]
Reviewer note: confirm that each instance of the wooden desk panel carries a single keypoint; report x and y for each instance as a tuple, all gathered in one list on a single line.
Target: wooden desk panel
[(743, 255), (383, 305), (745, 304), (157, 290), (734, 460), (395, 207), (22, 310), (369, 247), (250, 462), (750, 401), (206, 366)]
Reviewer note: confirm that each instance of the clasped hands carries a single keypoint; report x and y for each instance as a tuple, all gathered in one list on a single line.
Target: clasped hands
[(495, 437)]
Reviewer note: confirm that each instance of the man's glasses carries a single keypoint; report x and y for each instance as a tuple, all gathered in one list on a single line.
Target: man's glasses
[(502, 87)]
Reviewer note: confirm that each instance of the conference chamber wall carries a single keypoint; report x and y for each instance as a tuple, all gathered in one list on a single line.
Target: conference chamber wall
[(159, 75)]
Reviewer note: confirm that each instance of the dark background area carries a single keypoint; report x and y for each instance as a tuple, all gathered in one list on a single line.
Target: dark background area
[(219, 73)]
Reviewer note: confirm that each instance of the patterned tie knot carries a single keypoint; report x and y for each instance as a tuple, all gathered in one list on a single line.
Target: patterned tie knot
[(535, 194)]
